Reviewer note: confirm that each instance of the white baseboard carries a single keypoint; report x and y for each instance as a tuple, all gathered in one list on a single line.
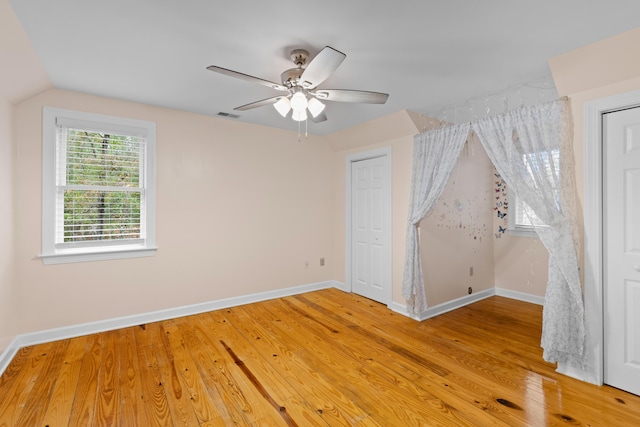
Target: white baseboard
[(465, 300), (66, 332), (339, 285), (9, 353), (520, 296)]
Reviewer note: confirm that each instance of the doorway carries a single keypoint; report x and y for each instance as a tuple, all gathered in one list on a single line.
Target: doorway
[(368, 224), (595, 239), (621, 250)]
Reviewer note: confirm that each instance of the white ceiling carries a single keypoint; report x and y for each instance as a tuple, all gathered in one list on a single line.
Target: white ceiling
[(426, 54)]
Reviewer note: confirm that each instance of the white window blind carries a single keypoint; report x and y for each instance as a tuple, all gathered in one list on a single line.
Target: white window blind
[(100, 189), (523, 217), (102, 198)]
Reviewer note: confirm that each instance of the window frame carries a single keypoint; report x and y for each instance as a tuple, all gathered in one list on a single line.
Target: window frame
[(515, 227), (143, 247)]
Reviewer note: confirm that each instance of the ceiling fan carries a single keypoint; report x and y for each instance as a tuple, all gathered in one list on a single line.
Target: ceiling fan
[(301, 84)]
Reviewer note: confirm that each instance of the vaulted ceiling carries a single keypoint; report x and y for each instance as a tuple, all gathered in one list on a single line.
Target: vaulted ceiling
[(426, 54)]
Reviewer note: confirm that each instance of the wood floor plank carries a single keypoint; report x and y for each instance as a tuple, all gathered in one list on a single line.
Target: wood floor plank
[(178, 398), (15, 394), (261, 403), (63, 393), (360, 372), (10, 374), (155, 400), (195, 390), (391, 356), (239, 392), (84, 403), (465, 372), (324, 358), (37, 401), (230, 402), (107, 411), (326, 399), (132, 412), (444, 375), (257, 365)]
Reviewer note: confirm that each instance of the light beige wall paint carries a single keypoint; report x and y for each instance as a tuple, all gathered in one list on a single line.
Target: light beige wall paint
[(21, 74), (520, 263), (240, 208), (606, 68), (457, 235), (7, 282), (597, 65)]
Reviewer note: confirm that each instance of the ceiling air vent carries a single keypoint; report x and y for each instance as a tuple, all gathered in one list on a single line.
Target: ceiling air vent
[(228, 115)]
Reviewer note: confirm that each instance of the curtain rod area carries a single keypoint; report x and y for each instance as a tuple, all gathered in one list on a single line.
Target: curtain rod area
[(509, 98)]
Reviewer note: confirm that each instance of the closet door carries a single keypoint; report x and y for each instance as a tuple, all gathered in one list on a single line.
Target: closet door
[(621, 232), (370, 238)]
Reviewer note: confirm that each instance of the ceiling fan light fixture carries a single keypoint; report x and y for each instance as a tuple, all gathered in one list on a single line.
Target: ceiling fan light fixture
[(315, 107), (299, 116), (283, 106), (299, 102)]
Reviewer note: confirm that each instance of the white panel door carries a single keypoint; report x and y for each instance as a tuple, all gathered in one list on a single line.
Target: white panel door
[(622, 249), (368, 210)]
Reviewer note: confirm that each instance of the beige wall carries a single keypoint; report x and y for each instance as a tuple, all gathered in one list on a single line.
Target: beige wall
[(458, 234), (240, 208), (21, 74), (520, 263), (599, 70), (7, 282)]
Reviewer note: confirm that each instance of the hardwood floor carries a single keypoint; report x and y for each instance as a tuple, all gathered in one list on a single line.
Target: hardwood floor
[(322, 358)]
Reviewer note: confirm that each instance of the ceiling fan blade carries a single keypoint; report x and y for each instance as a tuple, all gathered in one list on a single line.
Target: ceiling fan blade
[(342, 95), (247, 77), (261, 103), (321, 67), (322, 117)]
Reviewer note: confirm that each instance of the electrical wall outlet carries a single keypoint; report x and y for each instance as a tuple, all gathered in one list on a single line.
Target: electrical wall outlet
[(322, 262), (471, 271), (470, 290)]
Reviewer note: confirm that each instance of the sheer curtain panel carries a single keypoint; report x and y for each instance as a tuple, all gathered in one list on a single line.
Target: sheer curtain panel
[(526, 145), (435, 155)]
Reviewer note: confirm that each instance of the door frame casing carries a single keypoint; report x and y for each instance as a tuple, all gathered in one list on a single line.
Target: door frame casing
[(384, 152), (593, 232)]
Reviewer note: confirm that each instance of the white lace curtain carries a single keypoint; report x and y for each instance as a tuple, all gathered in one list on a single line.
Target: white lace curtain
[(525, 146), (435, 155)]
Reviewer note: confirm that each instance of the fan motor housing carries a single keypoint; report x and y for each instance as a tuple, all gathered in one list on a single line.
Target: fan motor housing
[(291, 77)]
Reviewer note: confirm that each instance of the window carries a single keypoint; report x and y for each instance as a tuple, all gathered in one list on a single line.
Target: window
[(98, 187), (522, 216)]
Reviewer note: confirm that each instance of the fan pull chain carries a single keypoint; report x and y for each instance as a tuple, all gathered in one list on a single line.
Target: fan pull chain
[(306, 130)]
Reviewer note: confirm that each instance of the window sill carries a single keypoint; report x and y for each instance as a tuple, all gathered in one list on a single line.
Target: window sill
[(96, 255), (523, 232)]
